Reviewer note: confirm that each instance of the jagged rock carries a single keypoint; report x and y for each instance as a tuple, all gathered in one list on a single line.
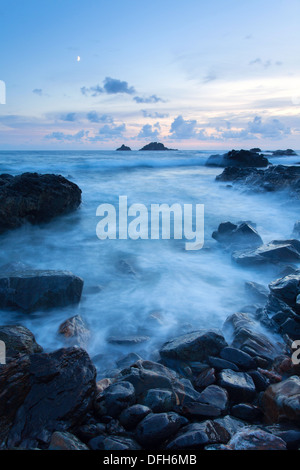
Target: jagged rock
[(230, 425), (157, 428), (198, 435), (33, 290), (282, 401), (220, 364), (196, 346), (286, 153), (287, 289), (242, 235), (288, 432), (205, 378), (43, 393), (35, 198), (131, 417), (115, 398), (247, 412), (156, 146), (243, 360), (238, 158), (66, 441), (18, 340), (75, 331), (128, 360), (160, 400), (86, 432), (274, 252), (250, 439), (215, 396), (124, 148), (239, 385), (258, 292)]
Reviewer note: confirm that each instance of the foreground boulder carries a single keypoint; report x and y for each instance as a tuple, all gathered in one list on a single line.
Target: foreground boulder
[(274, 252), (75, 331), (282, 401), (195, 346), (32, 290), (157, 428), (35, 198), (238, 158), (197, 435), (43, 393), (287, 289), (241, 235), (251, 439), (18, 341)]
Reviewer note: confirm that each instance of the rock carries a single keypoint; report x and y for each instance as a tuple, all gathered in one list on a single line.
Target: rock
[(131, 417), (86, 432), (274, 178), (258, 292), (196, 346), (127, 360), (18, 340), (246, 412), (75, 331), (160, 400), (156, 146), (273, 252), (153, 430), (289, 433), (250, 439), (287, 153), (33, 290), (239, 385), (127, 340), (256, 150), (197, 435), (220, 364), (261, 382), (124, 148), (282, 401), (102, 385), (215, 396), (43, 393), (238, 357), (205, 378), (66, 441), (111, 443), (238, 158), (116, 398), (242, 235), (287, 289), (230, 425), (296, 230), (35, 198)]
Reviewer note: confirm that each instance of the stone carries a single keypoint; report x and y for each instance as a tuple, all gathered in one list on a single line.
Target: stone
[(32, 290), (18, 340), (238, 158), (131, 417), (242, 235), (35, 198), (86, 432), (160, 400), (288, 432), (246, 412), (115, 398), (230, 425), (258, 292), (243, 360), (282, 401), (239, 385), (195, 346), (127, 360), (276, 251), (205, 378), (124, 148), (157, 428), (75, 331), (215, 396), (197, 435), (66, 441), (287, 289), (250, 439), (220, 364), (127, 340)]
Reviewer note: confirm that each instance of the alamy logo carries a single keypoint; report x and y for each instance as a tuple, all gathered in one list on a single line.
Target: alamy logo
[(2, 92), (163, 222), (2, 352), (296, 354)]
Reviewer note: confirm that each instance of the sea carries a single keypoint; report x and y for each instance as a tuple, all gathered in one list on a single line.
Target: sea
[(154, 289)]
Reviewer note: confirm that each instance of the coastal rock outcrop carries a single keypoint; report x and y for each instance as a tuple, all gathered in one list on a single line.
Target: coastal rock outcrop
[(124, 148), (237, 235), (276, 251), (287, 153), (155, 146), (35, 199), (239, 159), (18, 341)]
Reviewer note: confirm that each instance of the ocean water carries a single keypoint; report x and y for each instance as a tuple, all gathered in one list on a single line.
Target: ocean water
[(126, 281)]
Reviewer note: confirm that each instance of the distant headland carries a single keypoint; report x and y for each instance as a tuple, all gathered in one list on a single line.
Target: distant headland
[(156, 146)]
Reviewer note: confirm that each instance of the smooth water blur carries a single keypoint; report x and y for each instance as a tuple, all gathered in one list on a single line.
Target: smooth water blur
[(125, 280)]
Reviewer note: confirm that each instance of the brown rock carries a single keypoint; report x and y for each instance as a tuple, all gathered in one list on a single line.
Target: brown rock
[(282, 401)]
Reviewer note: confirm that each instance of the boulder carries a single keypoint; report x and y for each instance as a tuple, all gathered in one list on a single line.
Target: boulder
[(35, 198), (66, 441), (256, 291), (220, 364), (75, 331), (155, 146), (239, 385), (243, 360), (153, 430), (160, 400), (287, 289), (115, 398), (195, 346), (131, 417), (242, 235), (197, 435), (238, 158), (230, 425), (250, 439), (274, 252), (18, 340), (215, 396), (282, 401), (124, 148), (32, 290), (289, 433), (43, 393), (205, 378), (246, 412)]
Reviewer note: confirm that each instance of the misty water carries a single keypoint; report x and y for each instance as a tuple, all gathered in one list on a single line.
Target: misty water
[(126, 281)]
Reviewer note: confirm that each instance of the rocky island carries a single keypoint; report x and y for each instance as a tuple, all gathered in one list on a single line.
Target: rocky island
[(124, 148), (156, 146)]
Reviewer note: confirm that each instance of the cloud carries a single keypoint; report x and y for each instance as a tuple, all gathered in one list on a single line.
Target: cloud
[(111, 86), (265, 63), (271, 128), (149, 99), (210, 77), (109, 132), (61, 136), (183, 129), (38, 91), (92, 116), (154, 115), (70, 117), (149, 132)]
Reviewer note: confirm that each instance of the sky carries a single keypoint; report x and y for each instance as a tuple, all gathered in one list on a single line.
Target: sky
[(192, 74)]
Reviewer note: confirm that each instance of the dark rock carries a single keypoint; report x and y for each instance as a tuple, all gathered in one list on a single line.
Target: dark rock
[(247, 412), (127, 340), (215, 396), (260, 381), (282, 401), (197, 410), (291, 327), (127, 360), (124, 148), (289, 433), (296, 230), (157, 428), (238, 158), (220, 364), (18, 340), (160, 400), (197, 435), (114, 428), (196, 346), (29, 291), (257, 291), (256, 150), (86, 432), (116, 398), (66, 441), (43, 393), (242, 235), (205, 378), (156, 146), (250, 439), (35, 198), (131, 417), (238, 357), (286, 153), (274, 252), (112, 443), (239, 385), (230, 425), (75, 331), (287, 289)]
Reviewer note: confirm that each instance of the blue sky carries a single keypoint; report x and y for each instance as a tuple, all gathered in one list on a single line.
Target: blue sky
[(192, 74)]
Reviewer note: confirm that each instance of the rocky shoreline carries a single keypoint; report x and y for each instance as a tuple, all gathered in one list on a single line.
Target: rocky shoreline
[(236, 388)]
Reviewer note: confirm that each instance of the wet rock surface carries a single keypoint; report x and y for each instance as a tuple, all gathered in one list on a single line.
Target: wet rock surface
[(238, 159)]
